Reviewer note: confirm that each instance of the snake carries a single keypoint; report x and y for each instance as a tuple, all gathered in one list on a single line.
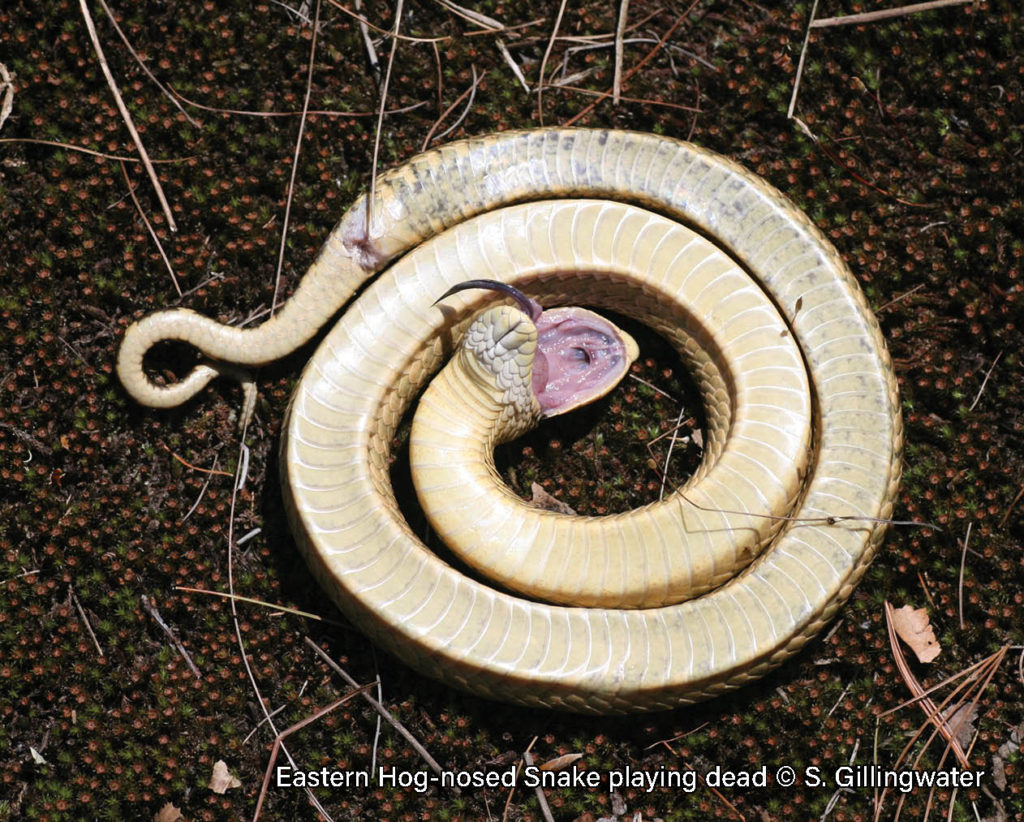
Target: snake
[(672, 603)]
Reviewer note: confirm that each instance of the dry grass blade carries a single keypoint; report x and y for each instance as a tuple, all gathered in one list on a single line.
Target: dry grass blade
[(149, 227), (127, 44), (384, 712), (542, 800), (544, 62), (295, 158), (800, 62), (620, 31), (365, 25), (260, 603), (83, 150), (885, 14), (643, 62), (153, 612), (298, 726), (380, 118), (85, 620), (506, 55), (471, 92), (932, 711), (173, 226), (489, 23), (960, 578), (984, 382), (241, 112)]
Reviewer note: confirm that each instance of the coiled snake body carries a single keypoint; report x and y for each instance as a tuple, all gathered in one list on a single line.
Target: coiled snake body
[(665, 618)]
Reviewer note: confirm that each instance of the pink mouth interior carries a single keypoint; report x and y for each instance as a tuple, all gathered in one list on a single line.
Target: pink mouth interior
[(580, 358)]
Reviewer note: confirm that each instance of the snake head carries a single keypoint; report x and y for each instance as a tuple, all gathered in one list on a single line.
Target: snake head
[(567, 357)]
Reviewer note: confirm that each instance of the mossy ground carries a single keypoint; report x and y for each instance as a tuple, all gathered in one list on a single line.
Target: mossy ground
[(915, 172)]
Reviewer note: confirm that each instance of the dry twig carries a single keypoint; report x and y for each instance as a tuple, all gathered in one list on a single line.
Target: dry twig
[(544, 62), (384, 712), (153, 612), (643, 62), (800, 62), (143, 154), (542, 800), (149, 227), (127, 43), (620, 30), (298, 726), (885, 14), (984, 382), (380, 119), (295, 158), (85, 620)]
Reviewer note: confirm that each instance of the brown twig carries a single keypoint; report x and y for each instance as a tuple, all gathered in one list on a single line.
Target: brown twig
[(900, 298), (471, 93), (298, 726), (512, 790), (171, 224), (544, 62), (643, 62), (377, 706), (1011, 506), (188, 464), (127, 43), (85, 620), (153, 612)]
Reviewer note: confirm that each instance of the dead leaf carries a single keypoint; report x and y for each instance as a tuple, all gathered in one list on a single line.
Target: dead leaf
[(560, 762), (998, 772), (168, 813), (542, 499), (222, 780), (913, 628), (960, 721)]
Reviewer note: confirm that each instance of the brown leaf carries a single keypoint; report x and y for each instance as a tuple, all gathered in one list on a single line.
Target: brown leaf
[(222, 780), (168, 813), (542, 499), (960, 721), (560, 762), (913, 628)]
